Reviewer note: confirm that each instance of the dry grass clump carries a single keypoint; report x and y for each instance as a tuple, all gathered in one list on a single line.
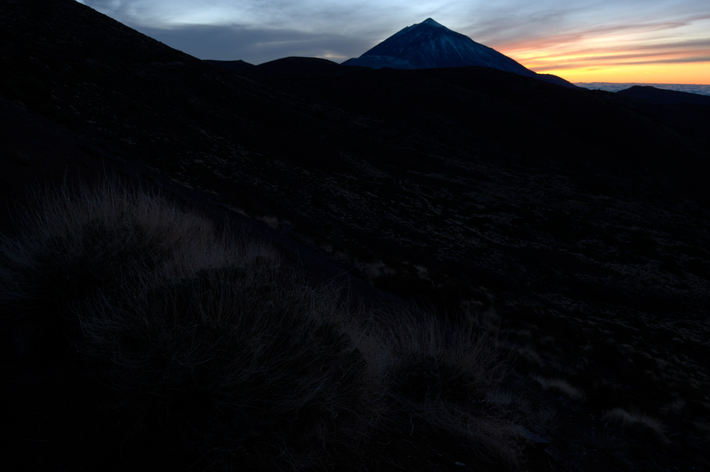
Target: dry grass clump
[(439, 380), (73, 244), (560, 386), (136, 335), (635, 419), (234, 364)]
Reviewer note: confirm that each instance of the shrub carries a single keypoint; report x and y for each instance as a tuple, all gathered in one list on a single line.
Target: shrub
[(126, 309), (439, 380), (234, 365), (136, 336), (75, 243)]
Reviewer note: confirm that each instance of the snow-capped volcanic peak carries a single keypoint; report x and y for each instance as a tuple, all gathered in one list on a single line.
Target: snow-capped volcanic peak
[(430, 45), (432, 22)]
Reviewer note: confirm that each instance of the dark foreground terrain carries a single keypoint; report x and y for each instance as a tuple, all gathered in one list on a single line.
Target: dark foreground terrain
[(574, 222)]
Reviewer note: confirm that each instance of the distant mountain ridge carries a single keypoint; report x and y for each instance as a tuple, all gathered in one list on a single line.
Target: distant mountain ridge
[(664, 97), (700, 89), (431, 45)]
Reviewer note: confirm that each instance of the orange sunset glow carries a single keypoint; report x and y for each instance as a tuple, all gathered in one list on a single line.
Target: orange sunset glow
[(645, 53), (647, 41)]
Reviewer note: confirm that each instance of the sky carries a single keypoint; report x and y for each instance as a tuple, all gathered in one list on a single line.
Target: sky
[(659, 41)]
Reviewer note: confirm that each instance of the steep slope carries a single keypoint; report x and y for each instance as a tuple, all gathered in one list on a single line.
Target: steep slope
[(431, 45)]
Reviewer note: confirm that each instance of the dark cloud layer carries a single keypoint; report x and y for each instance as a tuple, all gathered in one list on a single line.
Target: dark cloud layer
[(253, 44)]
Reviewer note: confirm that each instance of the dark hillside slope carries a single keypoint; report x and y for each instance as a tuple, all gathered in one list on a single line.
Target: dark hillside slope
[(580, 218), (100, 89), (686, 113), (473, 112), (658, 96)]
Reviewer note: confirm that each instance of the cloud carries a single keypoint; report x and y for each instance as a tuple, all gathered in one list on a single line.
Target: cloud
[(676, 60), (675, 40), (600, 63), (543, 35), (261, 30), (327, 16), (256, 45)]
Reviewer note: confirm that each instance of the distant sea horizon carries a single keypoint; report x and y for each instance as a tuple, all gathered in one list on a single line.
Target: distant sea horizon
[(615, 87)]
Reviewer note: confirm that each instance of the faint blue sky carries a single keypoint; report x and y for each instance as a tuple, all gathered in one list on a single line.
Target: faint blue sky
[(262, 30)]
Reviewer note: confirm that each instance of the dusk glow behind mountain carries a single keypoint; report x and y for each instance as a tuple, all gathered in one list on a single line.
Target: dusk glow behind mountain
[(581, 40)]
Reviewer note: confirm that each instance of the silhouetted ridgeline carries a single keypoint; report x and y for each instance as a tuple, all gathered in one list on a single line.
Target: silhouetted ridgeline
[(617, 87), (664, 97)]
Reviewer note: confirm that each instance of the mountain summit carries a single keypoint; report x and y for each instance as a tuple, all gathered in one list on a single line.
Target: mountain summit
[(431, 45)]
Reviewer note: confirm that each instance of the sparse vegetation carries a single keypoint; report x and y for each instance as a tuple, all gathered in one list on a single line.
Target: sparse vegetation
[(633, 419), (561, 386), (137, 336)]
